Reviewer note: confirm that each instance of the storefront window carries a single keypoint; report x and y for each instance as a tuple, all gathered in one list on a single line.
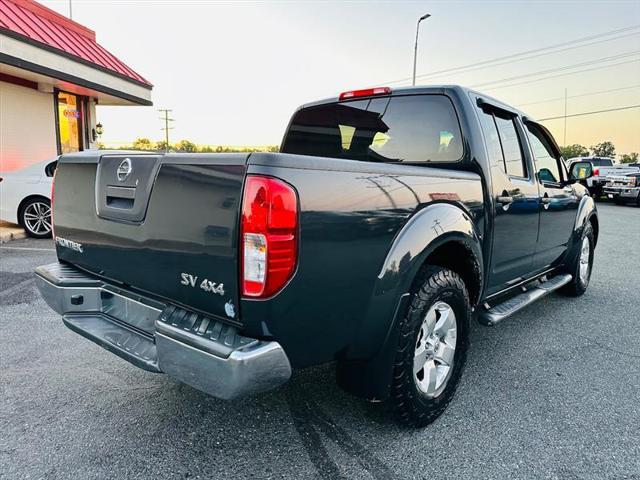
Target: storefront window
[(69, 122)]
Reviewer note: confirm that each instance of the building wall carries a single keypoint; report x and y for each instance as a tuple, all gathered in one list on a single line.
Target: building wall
[(27, 127)]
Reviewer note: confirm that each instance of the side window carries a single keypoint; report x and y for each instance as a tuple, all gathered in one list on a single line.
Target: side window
[(513, 159), (50, 169), (492, 138), (546, 160)]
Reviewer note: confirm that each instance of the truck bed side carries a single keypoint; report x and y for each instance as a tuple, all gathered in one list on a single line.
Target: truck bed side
[(351, 212)]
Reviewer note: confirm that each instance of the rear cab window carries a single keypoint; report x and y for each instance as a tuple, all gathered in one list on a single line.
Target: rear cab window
[(410, 129), (601, 162)]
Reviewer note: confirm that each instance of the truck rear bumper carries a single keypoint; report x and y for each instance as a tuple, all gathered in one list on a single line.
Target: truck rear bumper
[(197, 350)]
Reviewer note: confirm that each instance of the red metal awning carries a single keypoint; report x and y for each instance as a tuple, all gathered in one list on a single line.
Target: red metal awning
[(46, 28)]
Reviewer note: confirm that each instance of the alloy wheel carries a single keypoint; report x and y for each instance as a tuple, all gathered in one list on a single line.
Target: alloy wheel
[(585, 257), (435, 349), (37, 218)]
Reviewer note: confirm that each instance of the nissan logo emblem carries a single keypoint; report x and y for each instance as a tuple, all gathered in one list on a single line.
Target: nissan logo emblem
[(124, 170)]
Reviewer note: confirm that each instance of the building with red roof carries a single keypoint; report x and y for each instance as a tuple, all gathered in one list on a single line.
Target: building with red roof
[(53, 73)]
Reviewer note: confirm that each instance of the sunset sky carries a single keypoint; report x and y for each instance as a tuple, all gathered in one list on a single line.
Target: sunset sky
[(233, 72)]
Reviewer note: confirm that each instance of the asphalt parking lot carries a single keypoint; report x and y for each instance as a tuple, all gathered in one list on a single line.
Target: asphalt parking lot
[(553, 392)]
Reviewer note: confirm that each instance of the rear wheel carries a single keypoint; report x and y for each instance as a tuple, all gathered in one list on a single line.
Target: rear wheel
[(35, 217), (432, 348), (582, 265)]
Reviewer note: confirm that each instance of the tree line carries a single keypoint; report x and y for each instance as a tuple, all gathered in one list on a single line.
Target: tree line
[(186, 146), (603, 149)]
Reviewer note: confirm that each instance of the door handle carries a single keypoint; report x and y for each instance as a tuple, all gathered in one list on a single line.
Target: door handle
[(505, 199), (545, 200)]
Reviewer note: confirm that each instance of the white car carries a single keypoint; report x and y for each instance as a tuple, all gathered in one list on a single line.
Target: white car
[(25, 198)]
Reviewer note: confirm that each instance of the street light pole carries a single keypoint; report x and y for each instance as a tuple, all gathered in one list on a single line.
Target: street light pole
[(415, 48)]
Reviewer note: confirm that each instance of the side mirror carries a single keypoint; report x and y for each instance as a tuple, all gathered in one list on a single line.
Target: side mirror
[(580, 171)]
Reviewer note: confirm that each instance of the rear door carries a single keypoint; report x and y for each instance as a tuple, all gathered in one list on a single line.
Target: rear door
[(165, 225), (558, 200), (515, 195)]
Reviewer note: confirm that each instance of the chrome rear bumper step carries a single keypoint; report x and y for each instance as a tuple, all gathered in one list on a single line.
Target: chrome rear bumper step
[(130, 345), (514, 304), (200, 351)]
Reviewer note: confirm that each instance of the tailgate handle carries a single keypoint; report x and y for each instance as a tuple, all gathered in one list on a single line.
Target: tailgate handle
[(121, 192), (120, 197)]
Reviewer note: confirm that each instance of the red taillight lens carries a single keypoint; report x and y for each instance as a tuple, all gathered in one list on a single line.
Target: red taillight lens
[(53, 193), (596, 172), (268, 235), (367, 92)]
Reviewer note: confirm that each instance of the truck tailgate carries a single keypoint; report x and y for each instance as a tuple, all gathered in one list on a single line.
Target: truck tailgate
[(162, 224)]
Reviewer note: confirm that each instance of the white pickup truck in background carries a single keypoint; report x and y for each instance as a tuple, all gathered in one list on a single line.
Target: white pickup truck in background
[(603, 167), (624, 188)]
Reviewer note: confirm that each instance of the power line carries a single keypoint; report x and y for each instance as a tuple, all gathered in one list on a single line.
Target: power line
[(528, 57), (563, 74), (526, 52), (588, 94), (626, 107), (558, 69)]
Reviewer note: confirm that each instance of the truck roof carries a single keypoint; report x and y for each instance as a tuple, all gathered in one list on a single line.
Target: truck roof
[(433, 89)]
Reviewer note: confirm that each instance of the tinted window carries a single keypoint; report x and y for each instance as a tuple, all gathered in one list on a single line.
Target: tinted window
[(546, 163), (50, 169), (492, 138), (511, 150), (398, 129), (601, 162)]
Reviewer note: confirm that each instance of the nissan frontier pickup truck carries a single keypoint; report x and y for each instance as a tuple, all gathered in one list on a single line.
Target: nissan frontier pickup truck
[(388, 220)]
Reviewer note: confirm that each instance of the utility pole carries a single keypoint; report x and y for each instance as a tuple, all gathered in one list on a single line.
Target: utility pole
[(70, 11), (415, 47), (166, 128), (565, 118)]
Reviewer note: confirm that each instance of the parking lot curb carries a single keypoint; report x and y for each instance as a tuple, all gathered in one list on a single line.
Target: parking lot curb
[(10, 231)]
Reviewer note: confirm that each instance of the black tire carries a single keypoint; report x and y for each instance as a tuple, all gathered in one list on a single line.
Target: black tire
[(578, 285), (595, 192), (618, 201), (26, 217), (411, 406)]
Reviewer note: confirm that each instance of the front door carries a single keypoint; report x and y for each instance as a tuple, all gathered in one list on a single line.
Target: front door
[(558, 200), (515, 195)]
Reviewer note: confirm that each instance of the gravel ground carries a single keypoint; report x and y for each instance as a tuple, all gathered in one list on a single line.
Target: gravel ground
[(553, 392)]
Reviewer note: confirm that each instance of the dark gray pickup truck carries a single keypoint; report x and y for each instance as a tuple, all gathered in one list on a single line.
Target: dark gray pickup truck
[(388, 220)]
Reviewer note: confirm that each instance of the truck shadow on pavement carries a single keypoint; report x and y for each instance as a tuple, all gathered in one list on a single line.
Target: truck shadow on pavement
[(309, 417)]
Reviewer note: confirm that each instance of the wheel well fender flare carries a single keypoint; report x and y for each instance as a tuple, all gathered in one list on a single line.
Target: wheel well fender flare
[(587, 212), (367, 371), (430, 228)]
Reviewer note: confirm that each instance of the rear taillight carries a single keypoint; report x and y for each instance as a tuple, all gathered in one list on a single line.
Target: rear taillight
[(596, 172), (53, 192), (268, 233), (367, 92)]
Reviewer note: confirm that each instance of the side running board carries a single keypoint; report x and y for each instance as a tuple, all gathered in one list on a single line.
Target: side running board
[(497, 313)]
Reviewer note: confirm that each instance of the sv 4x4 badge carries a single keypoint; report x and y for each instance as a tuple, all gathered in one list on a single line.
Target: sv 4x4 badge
[(189, 280)]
